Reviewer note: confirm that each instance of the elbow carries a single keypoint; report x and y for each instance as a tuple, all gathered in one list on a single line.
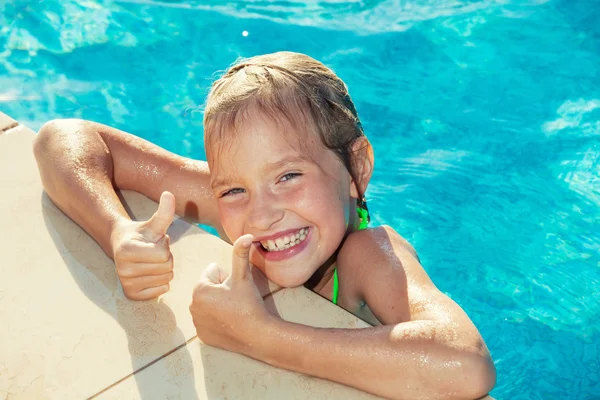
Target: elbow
[(477, 377), (52, 150), (52, 132), (45, 135), (40, 142), (54, 126)]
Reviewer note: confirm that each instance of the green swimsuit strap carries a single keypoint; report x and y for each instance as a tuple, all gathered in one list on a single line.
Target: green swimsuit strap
[(336, 287), (364, 222)]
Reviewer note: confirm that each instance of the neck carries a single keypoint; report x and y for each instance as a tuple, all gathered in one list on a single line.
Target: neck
[(325, 272), (323, 275)]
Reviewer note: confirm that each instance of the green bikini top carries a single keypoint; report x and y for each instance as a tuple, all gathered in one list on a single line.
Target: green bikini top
[(364, 222), (336, 287)]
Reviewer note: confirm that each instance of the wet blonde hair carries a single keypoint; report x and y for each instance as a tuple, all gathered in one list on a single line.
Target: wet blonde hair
[(289, 86)]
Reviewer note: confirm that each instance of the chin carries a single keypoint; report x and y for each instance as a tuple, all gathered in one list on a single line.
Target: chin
[(286, 280), (286, 274), (288, 285)]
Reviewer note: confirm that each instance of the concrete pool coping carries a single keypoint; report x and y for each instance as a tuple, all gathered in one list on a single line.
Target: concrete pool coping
[(68, 331)]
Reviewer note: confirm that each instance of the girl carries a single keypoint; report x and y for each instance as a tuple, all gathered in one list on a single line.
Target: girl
[(290, 165)]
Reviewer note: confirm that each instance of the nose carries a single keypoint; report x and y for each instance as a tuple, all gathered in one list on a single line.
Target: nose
[(264, 211)]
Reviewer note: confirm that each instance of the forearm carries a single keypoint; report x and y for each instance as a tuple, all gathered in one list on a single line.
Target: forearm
[(76, 169), (418, 359)]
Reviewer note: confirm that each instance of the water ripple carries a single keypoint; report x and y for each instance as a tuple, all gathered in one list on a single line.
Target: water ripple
[(484, 117), (355, 16)]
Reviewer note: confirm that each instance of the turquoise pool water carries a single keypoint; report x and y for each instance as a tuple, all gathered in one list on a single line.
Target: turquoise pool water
[(484, 115)]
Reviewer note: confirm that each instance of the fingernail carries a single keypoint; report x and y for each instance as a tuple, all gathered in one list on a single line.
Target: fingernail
[(247, 241)]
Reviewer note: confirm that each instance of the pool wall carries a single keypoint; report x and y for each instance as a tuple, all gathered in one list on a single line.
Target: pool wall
[(68, 331)]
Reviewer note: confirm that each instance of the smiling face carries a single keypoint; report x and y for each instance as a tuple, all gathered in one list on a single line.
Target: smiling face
[(285, 188)]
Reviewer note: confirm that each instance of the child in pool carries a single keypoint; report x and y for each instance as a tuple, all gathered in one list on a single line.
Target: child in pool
[(289, 166)]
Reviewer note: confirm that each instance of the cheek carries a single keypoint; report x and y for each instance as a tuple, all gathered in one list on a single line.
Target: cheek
[(328, 202), (230, 219)]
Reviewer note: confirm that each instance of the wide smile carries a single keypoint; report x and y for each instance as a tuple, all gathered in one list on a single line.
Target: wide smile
[(284, 246), (286, 241)]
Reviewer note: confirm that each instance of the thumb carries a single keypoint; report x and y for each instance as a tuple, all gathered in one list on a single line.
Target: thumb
[(158, 224), (240, 263)]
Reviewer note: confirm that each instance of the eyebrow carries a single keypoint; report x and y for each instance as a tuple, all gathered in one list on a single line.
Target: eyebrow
[(222, 182), (283, 162), (226, 181)]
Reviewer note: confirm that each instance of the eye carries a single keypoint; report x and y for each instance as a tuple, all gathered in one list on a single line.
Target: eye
[(232, 192), (289, 176)]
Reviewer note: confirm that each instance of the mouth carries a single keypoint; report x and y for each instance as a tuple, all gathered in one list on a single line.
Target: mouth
[(285, 242)]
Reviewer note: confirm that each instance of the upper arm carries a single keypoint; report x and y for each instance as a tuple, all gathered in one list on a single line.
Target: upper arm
[(398, 289), (392, 280), (372, 259), (150, 170)]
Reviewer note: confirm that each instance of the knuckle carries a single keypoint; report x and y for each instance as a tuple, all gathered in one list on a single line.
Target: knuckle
[(171, 260), (125, 250), (193, 310), (161, 254), (124, 271), (124, 247), (118, 251), (198, 294), (131, 295), (202, 295), (165, 288), (165, 254), (127, 284)]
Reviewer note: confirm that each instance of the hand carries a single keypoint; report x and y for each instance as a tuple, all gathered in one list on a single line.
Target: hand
[(142, 254), (229, 311)]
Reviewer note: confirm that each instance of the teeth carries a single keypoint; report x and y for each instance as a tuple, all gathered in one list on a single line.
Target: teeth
[(285, 242), (280, 242)]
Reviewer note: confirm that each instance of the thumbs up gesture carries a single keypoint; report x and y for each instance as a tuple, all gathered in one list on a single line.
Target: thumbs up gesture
[(142, 254), (228, 309)]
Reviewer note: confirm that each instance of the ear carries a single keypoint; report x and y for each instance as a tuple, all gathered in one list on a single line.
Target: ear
[(362, 162)]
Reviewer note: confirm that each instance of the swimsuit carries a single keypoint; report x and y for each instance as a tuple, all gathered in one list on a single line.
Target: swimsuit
[(336, 287), (364, 222)]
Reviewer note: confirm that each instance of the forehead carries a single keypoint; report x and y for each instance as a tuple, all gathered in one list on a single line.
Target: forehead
[(259, 137)]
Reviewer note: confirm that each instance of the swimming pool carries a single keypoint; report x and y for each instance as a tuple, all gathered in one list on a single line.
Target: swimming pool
[(484, 115)]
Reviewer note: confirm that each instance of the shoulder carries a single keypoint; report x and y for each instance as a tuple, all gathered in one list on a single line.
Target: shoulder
[(392, 280), (377, 263), (379, 242)]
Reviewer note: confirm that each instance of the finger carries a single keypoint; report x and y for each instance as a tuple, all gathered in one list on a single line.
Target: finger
[(240, 265), (139, 251), (150, 293), (134, 270), (212, 275), (145, 282), (156, 227)]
